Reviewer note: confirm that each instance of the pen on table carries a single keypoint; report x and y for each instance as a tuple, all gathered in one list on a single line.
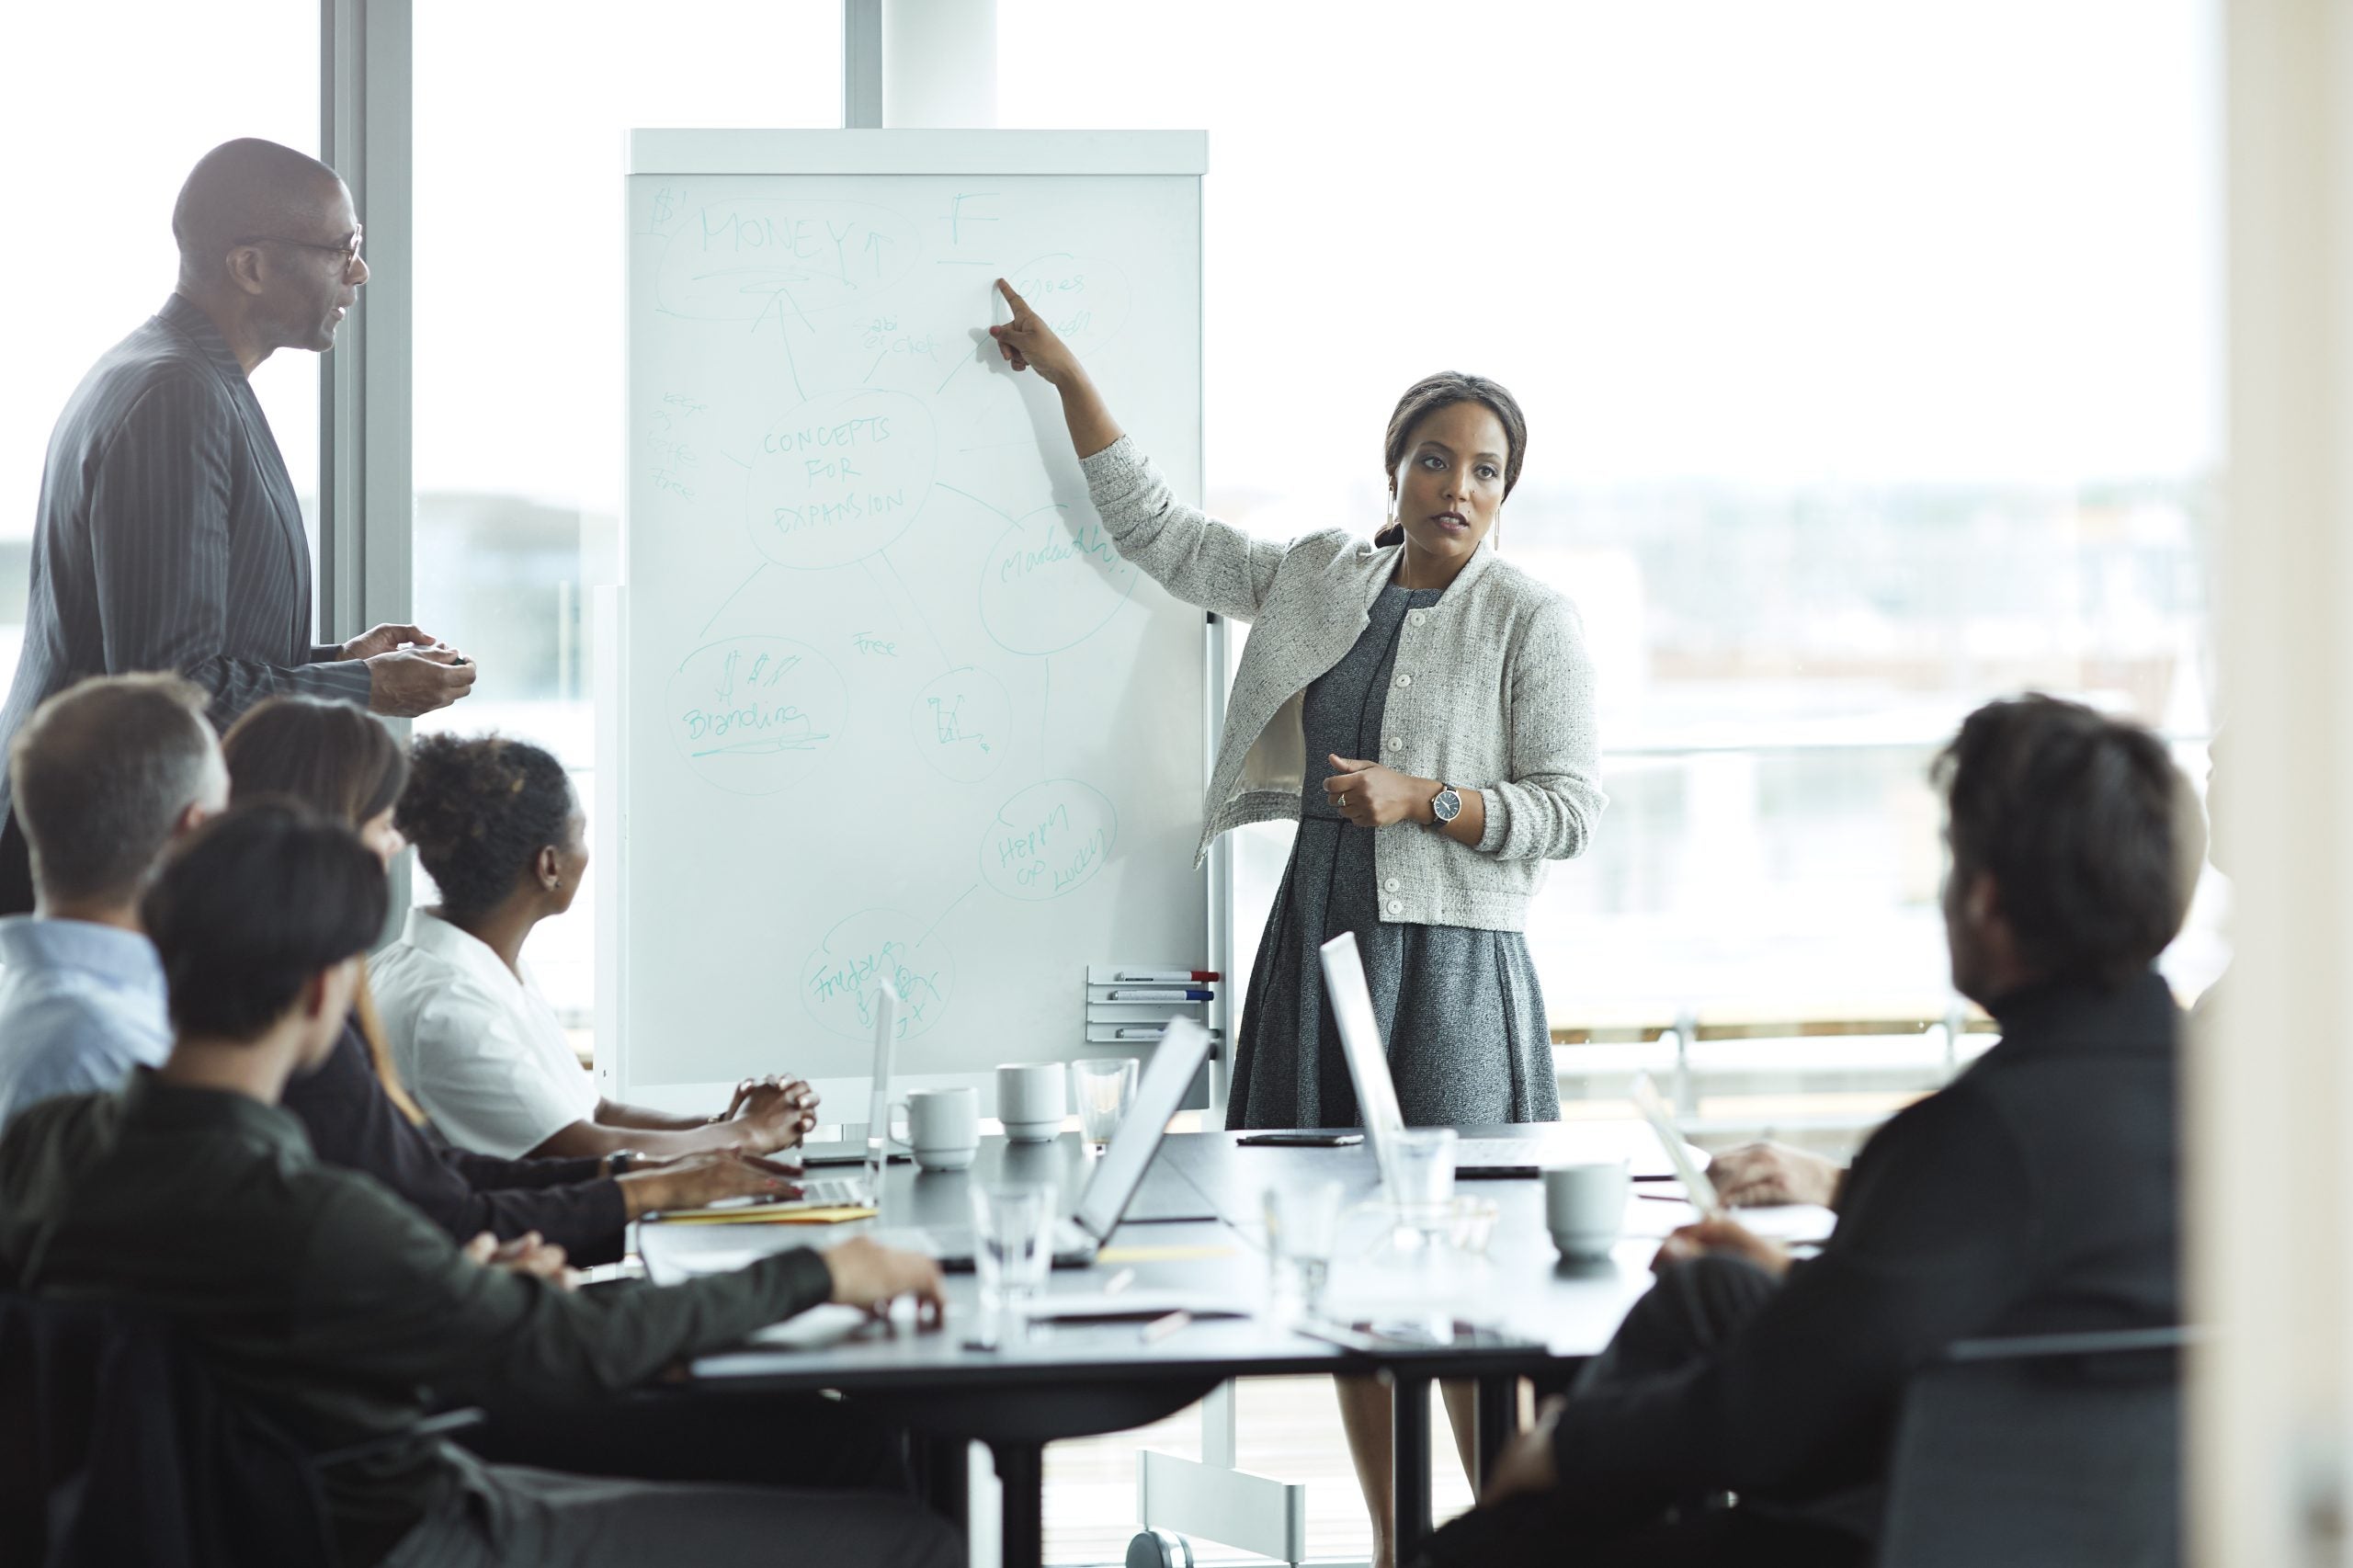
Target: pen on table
[(1120, 1281), (1187, 996), (1159, 1329), (1171, 976)]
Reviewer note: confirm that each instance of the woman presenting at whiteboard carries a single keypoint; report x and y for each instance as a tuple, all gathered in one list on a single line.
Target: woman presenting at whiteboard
[(1425, 709)]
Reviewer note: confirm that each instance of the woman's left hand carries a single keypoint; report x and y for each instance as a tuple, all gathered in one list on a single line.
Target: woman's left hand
[(1370, 795)]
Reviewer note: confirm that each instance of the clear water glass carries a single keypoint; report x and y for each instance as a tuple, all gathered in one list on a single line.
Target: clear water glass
[(1103, 1091), (1421, 1176), (1302, 1231), (1013, 1245)]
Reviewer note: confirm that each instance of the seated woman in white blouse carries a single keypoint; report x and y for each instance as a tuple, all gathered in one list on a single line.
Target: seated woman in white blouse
[(496, 824)]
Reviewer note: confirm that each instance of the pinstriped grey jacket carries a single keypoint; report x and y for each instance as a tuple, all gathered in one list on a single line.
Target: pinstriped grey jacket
[(1491, 691), (169, 535)]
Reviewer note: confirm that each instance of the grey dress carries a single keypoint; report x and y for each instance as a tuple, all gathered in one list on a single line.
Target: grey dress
[(1459, 1008)]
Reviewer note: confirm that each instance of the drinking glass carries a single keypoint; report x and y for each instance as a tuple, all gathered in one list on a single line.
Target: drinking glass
[(1421, 1174), (1303, 1229), (1104, 1090), (1013, 1245)]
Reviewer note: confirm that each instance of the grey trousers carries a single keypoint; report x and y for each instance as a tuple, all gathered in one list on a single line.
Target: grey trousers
[(540, 1519)]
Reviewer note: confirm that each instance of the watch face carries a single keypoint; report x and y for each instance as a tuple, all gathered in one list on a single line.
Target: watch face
[(1446, 806)]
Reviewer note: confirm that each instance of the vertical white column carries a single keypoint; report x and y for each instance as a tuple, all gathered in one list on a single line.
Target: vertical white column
[(2269, 1092), (938, 63)]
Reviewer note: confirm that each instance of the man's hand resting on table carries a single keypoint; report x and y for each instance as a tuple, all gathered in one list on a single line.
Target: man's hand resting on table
[(1756, 1175), (527, 1253), (1723, 1237), (869, 1275)]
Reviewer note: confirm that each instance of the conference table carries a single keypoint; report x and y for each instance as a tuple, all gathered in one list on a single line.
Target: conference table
[(1509, 1309)]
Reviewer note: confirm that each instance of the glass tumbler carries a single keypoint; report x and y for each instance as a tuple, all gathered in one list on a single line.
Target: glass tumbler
[(1103, 1090), (1302, 1231), (1421, 1177), (1013, 1245)]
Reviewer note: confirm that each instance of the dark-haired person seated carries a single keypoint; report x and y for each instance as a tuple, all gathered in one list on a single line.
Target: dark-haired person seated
[(326, 1303), (2036, 1193), (496, 824), (345, 765), (105, 774)]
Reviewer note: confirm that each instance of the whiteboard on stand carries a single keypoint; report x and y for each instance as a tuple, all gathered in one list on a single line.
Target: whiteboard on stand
[(879, 700)]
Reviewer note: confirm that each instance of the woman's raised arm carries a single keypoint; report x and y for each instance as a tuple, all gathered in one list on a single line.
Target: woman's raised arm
[(1028, 344), (1190, 554)]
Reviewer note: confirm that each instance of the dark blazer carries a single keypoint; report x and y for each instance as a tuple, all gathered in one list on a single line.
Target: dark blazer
[(353, 1123), (2037, 1193), (169, 536)]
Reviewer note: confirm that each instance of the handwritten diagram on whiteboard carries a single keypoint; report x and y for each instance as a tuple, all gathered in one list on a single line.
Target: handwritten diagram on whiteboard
[(895, 707)]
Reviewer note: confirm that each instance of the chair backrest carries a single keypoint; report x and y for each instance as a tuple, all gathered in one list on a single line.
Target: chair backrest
[(2061, 1450), (114, 1447)]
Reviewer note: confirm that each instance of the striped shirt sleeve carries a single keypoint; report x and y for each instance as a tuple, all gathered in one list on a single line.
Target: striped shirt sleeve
[(159, 526)]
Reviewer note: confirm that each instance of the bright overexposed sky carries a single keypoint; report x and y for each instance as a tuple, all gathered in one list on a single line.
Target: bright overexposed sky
[(1820, 241)]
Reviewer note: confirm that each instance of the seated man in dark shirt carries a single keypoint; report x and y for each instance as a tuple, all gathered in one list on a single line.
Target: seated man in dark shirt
[(328, 1304), (2035, 1194)]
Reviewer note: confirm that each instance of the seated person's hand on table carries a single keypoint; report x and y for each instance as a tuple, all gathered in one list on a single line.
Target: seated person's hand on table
[(1723, 1237), (1757, 1174), (690, 1181), (868, 1273), (527, 1253), (773, 1113), (1527, 1464)]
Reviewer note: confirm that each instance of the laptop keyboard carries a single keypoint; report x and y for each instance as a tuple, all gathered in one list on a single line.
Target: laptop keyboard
[(832, 1192)]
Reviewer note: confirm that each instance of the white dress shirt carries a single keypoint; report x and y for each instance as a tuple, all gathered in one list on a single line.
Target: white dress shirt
[(480, 1049)]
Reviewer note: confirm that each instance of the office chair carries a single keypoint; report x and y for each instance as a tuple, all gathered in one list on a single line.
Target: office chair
[(2048, 1451)]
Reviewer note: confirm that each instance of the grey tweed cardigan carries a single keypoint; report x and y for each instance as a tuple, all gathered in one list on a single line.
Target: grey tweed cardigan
[(1491, 691)]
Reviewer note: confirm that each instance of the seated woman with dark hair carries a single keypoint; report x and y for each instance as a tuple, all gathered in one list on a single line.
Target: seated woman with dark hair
[(339, 762), (496, 824)]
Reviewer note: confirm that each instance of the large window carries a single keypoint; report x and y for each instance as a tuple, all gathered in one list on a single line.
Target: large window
[(519, 437), (1870, 356), (108, 106)]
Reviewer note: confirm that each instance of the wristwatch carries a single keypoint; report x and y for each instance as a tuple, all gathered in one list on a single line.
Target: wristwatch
[(1447, 804), (616, 1164)]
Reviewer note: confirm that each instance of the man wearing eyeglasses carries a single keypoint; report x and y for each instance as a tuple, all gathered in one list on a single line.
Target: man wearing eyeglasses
[(169, 536)]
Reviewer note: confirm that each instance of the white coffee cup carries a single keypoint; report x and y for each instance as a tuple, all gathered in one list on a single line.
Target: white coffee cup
[(943, 1127), (1585, 1206), (1031, 1100)]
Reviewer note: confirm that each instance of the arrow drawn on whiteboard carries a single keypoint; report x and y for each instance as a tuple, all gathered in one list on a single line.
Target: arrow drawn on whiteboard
[(937, 646), (946, 913), (730, 600)]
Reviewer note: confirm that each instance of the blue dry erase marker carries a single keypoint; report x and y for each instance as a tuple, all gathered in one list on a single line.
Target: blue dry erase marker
[(1133, 996)]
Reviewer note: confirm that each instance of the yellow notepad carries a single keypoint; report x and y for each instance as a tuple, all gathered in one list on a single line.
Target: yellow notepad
[(766, 1216)]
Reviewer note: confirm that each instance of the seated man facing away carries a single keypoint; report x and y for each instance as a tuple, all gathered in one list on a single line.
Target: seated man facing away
[(326, 1303), (105, 774), (2036, 1193)]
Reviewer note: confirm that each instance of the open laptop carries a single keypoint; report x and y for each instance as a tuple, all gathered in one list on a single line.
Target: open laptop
[(1368, 1059), (874, 1149), (864, 1151), (1080, 1234)]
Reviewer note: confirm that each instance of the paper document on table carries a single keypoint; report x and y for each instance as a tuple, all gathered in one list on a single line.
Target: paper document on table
[(780, 1214), (1106, 1306), (814, 1329)]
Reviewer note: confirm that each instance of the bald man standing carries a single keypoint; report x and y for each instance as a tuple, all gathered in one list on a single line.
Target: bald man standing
[(169, 535)]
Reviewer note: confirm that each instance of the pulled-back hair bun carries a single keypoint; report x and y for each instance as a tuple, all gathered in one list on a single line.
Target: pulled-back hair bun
[(480, 809)]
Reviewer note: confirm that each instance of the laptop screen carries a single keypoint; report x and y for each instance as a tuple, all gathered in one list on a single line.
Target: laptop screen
[(877, 1113), (1175, 1062), (1360, 1043)]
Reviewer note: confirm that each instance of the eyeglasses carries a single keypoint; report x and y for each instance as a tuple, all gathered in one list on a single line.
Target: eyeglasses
[(347, 249)]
